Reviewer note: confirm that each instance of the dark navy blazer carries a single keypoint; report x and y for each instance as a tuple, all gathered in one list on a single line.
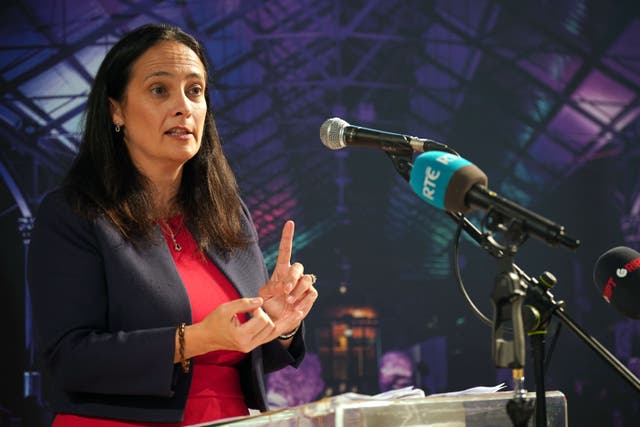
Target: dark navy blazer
[(106, 313)]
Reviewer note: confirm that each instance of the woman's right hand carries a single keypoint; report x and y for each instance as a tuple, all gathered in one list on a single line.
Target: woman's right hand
[(222, 330)]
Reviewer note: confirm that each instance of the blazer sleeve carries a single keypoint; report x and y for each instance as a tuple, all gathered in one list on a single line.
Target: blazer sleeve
[(276, 357), (69, 296)]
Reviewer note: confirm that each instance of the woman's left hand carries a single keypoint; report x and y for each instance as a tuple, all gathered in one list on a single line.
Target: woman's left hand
[(289, 294)]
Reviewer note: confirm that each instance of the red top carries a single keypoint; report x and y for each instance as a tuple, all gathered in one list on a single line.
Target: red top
[(215, 391)]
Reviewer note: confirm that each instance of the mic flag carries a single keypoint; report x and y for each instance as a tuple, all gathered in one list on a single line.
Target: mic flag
[(617, 277), (443, 180), (452, 183)]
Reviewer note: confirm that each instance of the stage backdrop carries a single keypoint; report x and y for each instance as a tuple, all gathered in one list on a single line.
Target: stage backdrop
[(541, 95)]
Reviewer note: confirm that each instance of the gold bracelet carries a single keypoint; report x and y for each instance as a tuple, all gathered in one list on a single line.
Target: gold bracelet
[(289, 335), (186, 365)]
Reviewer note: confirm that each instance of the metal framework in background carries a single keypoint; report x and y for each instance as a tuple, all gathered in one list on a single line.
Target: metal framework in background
[(558, 84)]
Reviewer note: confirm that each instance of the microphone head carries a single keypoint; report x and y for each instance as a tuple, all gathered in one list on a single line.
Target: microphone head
[(332, 133), (443, 180), (617, 277)]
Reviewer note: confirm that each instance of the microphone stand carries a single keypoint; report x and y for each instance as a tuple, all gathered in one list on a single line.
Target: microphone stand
[(508, 344), (514, 285), (538, 351), (537, 335), (541, 305), (507, 297)]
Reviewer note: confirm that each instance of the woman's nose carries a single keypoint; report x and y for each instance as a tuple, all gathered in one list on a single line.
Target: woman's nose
[(182, 105)]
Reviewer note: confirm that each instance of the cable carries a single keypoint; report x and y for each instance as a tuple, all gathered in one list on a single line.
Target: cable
[(456, 268)]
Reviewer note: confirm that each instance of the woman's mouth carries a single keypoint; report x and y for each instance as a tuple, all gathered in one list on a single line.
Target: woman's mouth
[(181, 133), (177, 132)]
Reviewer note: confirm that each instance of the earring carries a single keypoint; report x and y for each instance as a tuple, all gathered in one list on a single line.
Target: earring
[(117, 128)]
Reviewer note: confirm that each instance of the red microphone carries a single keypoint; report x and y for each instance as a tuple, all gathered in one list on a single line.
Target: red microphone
[(617, 277)]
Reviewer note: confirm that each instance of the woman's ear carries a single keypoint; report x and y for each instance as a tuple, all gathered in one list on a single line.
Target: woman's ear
[(116, 112)]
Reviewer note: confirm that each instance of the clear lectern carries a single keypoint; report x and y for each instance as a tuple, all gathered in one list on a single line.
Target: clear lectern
[(479, 410)]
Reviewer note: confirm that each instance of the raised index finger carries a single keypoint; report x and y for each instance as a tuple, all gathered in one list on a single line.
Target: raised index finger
[(286, 244)]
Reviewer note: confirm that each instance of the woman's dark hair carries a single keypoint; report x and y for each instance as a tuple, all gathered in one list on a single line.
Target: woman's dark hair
[(104, 180)]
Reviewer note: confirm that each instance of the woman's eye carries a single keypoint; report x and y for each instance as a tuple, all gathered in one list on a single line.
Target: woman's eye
[(158, 90), (195, 90)]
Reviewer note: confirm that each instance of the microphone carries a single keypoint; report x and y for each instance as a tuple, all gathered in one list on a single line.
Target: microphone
[(337, 134), (616, 276), (452, 183)]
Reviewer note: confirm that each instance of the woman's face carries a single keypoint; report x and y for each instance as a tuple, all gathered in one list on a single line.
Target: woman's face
[(163, 108)]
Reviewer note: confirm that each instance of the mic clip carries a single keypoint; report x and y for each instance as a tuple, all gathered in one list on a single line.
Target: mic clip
[(402, 163), (513, 230)]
